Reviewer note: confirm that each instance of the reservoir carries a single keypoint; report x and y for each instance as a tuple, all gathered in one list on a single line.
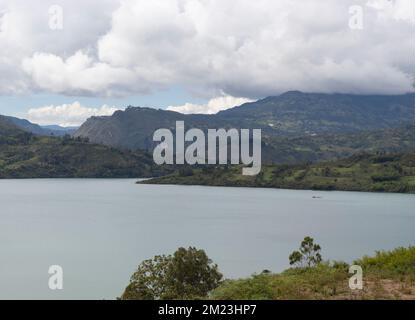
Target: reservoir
[(99, 230)]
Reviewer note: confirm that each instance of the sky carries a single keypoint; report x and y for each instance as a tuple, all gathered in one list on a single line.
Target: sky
[(64, 61)]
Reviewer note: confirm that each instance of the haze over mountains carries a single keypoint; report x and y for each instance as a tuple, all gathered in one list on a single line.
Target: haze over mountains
[(296, 126), (53, 130)]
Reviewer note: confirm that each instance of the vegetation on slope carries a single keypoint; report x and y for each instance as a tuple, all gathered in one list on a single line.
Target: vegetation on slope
[(390, 279), (292, 114), (325, 147), (190, 274), (27, 126), (387, 275), (24, 155), (363, 172)]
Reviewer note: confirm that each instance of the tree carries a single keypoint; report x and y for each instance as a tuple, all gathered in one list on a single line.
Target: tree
[(307, 256), (187, 274), (149, 281)]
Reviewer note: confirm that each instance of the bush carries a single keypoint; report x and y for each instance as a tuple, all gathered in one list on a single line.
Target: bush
[(307, 256), (319, 282), (258, 287), (187, 274), (399, 262)]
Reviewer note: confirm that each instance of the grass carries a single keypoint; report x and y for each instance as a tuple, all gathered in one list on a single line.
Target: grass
[(387, 275), (398, 264)]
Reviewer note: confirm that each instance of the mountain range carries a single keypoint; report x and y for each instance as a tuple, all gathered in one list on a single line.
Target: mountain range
[(52, 130), (27, 155), (292, 114), (296, 127)]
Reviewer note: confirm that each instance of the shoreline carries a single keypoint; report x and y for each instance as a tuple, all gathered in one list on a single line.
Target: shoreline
[(266, 188), (148, 181)]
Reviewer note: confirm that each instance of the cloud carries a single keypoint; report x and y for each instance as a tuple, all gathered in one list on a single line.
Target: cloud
[(77, 75), (212, 106), (67, 114), (25, 32), (243, 48)]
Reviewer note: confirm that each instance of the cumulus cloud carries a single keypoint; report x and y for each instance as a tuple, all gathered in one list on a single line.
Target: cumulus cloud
[(78, 75), (67, 114), (212, 106), (243, 48), (25, 32)]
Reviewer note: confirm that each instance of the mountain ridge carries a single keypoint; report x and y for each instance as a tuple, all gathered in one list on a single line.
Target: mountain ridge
[(26, 155), (26, 125), (292, 114)]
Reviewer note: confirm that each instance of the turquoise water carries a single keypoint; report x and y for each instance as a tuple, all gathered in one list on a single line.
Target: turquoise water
[(99, 230)]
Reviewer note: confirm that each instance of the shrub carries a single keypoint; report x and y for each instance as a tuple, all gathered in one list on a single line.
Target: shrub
[(258, 287), (308, 255), (399, 262), (187, 274)]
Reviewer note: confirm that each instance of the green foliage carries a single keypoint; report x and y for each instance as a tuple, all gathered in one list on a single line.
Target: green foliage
[(396, 263), (307, 126), (187, 274), (24, 155), (361, 172), (387, 275), (319, 282), (257, 287), (307, 256), (149, 282)]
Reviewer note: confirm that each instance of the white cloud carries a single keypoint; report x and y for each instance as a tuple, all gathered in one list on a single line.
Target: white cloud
[(78, 75), (25, 32), (243, 48), (212, 106), (67, 114)]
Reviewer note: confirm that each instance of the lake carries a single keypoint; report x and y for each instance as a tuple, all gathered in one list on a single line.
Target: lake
[(99, 230)]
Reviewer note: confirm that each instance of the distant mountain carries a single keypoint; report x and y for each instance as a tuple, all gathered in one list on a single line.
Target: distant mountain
[(58, 130), (28, 126), (134, 127), (299, 114), (292, 114), (26, 155), (7, 128)]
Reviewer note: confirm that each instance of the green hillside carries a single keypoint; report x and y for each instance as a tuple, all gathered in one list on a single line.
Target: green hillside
[(24, 155), (363, 172), (292, 114), (325, 147), (387, 275)]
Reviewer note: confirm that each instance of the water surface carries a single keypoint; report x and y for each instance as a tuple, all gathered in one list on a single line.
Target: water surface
[(99, 230)]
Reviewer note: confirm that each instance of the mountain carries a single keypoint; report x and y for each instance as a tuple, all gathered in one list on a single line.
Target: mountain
[(297, 127), (134, 127), (28, 126), (26, 155), (296, 113), (292, 114), (58, 130)]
